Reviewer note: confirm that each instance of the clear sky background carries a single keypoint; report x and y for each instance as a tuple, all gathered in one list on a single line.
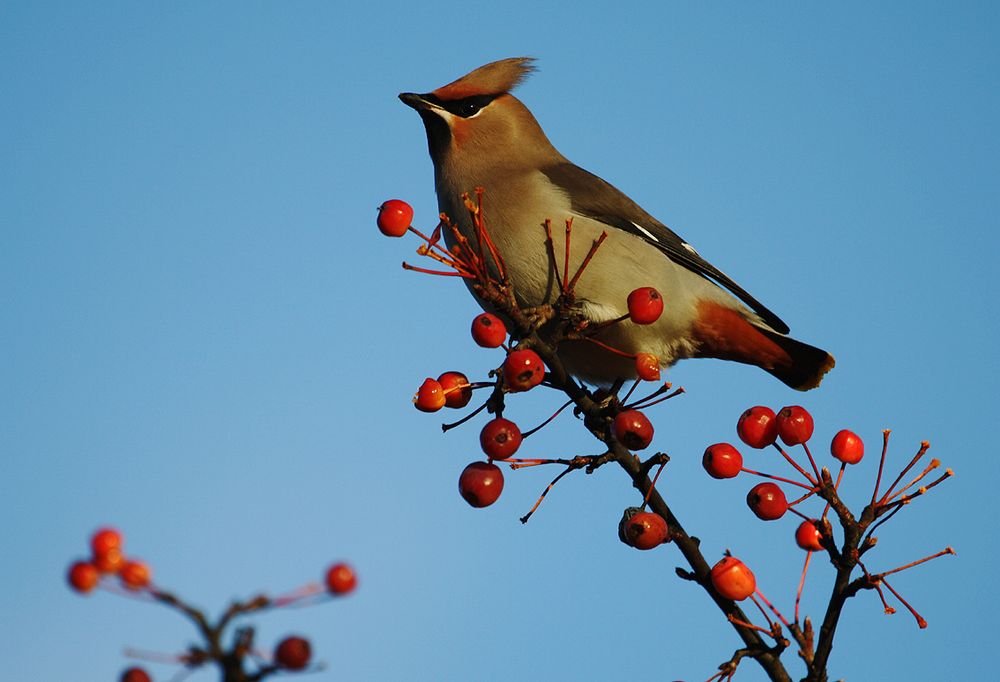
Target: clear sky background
[(206, 343)]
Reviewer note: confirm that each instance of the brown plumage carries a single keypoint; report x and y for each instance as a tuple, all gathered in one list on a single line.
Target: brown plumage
[(480, 135), (493, 79)]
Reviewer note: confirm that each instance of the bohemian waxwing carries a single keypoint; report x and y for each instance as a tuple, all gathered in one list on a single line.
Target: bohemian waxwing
[(480, 135)]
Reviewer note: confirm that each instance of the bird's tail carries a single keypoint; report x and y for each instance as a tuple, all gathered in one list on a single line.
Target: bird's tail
[(726, 333), (806, 365)]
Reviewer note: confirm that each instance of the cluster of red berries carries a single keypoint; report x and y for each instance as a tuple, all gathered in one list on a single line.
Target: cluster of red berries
[(108, 559), (760, 427), (481, 483)]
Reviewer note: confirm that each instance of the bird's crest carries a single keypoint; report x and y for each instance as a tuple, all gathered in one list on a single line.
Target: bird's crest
[(494, 78)]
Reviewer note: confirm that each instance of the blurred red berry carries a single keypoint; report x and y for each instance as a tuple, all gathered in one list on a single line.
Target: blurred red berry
[(732, 579), (767, 501), (795, 425), (488, 330), (481, 484), (83, 576), (807, 537), (430, 396), (647, 367), (135, 675), (341, 579), (293, 653), (394, 218), (109, 561), (722, 460), (457, 391), (645, 530), (500, 438), (645, 305), (523, 370), (633, 429), (105, 539), (135, 574), (757, 427), (848, 447)]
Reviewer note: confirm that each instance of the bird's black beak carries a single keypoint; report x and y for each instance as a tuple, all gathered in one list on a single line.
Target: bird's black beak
[(411, 99)]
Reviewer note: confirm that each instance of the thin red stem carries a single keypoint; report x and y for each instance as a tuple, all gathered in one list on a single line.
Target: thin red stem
[(934, 464), (774, 610), (777, 478), (407, 266), (547, 421), (802, 584), (943, 552), (652, 486), (921, 623), (924, 446), (524, 519), (795, 464), (805, 446), (881, 464), (586, 261), (569, 230), (645, 404)]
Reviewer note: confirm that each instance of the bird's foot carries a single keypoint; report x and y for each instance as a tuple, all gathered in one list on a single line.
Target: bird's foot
[(538, 316)]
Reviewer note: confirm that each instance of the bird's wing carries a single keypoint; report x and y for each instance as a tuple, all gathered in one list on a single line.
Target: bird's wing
[(594, 198)]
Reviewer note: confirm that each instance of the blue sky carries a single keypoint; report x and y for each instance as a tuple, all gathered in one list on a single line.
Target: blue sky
[(207, 344)]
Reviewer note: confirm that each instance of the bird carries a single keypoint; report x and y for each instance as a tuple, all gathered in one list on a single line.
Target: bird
[(479, 135)]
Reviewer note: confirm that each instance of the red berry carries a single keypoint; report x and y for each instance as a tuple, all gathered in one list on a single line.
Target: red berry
[(807, 537), (757, 427), (135, 675), (500, 438), (341, 579), (109, 561), (457, 390), (848, 447), (394, 218), (430, 396), (481, 484), (488, 330), (135, 574), (795, 425), (105, 539), (645, 530), (722, 460), (645, 305), (293, 653), (647, 367), (732, 579), (83, 576), (523, 370), (767, 501), (633, 429)]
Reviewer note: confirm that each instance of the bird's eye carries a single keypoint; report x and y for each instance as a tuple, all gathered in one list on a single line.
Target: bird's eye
[(468, 108)]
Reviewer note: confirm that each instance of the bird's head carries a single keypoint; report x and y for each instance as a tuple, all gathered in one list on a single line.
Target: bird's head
[(474, 122)]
